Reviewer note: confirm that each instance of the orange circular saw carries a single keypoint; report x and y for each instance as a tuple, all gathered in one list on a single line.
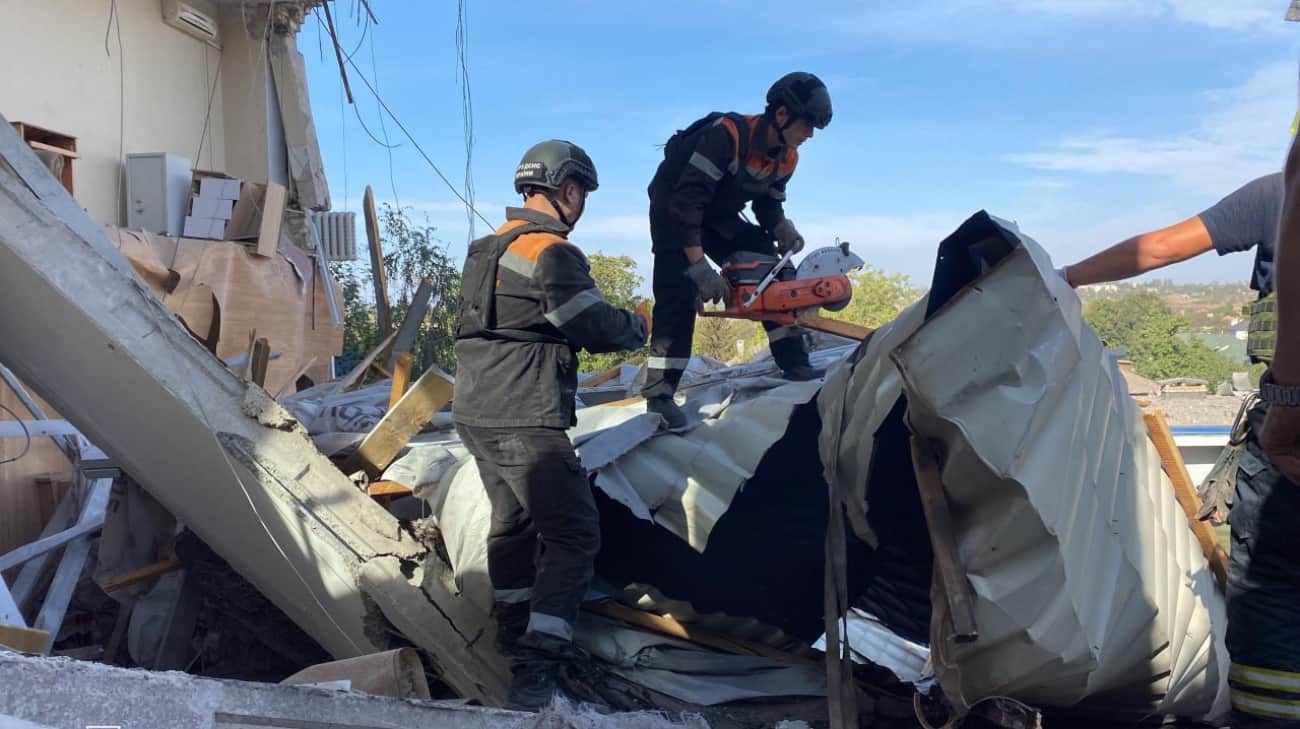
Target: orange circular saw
[(765, 288)]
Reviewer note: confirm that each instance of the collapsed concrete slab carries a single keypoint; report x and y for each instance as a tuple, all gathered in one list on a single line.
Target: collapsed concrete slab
[(66, 693), (222, 456)]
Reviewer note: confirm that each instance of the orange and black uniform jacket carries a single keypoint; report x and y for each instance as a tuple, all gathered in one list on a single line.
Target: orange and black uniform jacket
[(711, 170), (523, 371)]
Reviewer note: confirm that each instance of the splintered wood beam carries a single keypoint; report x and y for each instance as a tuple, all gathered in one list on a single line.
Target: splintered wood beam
[(673, 628), (383, 314), (401, 377), (126, 579), (387, 488), (411, 321), (259, 359), (610, 373), (833, 326), (947, 561), (400, 423), (1185, 492), (353, 378)]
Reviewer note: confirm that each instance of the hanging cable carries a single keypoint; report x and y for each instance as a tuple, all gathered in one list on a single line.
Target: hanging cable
[(418, 148), (115, 20), (27, 445), (374, 70), (466, 111)]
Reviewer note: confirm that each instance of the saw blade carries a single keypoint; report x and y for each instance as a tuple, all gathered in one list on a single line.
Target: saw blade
[(827, 261)]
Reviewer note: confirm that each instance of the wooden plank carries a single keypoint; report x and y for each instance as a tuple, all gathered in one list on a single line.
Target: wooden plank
[(260, 358), (1185, 492), (51, 148), (832, 326), (34, 571), (401, 377), (610, 373), (383, 314), (400, 423), (675, 629), (353, 377), (246, 364), (23, 640), (387, 488), (126, 579), (65, 580), (268, 233), (410, 328), (947, 561)]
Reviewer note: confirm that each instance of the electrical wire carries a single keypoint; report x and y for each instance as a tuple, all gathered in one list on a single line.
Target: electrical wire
[(27, 444), (406, 132), (466, 110), (115, 20), (374, 69)]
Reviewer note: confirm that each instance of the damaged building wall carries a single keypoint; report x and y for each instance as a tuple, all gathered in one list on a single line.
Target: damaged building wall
[(69, 85), (219, 454)]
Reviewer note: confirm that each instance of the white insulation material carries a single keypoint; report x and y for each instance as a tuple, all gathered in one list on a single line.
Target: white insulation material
[(1091, 590)]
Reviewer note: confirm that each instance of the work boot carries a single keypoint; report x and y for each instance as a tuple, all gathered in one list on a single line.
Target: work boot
[(512, 621), (802, 372), (674, 418), (535, 670)]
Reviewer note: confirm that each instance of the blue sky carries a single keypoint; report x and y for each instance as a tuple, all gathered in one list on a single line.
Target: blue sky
[(1084, 120)]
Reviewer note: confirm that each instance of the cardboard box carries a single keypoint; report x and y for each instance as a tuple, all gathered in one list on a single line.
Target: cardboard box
[(210, 228), (219, 188), (208, 207)]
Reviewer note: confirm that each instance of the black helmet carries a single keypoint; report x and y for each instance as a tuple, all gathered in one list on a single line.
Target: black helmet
[(548, 163), (804, 95)]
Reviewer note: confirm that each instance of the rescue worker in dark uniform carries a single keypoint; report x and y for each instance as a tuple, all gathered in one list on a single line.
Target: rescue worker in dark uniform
[(710, 171), (1264, 563), (528, 304)]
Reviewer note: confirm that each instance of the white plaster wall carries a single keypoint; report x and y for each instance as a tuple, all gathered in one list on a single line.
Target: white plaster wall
[(57, 75)]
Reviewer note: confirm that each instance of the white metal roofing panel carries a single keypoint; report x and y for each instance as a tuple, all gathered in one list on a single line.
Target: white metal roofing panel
[(1090, 587)]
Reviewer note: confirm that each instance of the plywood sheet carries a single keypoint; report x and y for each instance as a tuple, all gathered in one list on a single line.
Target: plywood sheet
[(283, 297)]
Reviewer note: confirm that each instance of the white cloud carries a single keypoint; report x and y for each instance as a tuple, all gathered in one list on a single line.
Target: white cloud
[(983, 21), (1242, 135)]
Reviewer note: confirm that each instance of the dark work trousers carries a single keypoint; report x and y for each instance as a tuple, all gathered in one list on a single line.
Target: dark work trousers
[(1264, 592), (675, 303), (545, 532)]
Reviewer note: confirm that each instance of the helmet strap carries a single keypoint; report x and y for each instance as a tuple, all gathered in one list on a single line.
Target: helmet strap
[(559, 211)]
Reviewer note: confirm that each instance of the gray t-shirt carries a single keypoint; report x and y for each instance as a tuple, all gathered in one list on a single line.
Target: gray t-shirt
[(1248, 218)]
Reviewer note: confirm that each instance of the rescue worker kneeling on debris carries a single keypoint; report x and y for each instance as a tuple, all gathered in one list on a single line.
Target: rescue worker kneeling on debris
[(709, 172), (528, 304)]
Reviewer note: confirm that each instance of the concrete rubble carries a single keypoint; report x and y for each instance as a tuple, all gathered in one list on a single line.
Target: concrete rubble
[(723, 528)]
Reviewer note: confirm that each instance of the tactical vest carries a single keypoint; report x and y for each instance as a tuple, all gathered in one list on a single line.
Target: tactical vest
[(1261, 334), (478, 285), (738, 186)]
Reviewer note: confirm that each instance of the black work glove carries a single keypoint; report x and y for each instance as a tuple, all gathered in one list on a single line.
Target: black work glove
[(787, 237), (708, 283)]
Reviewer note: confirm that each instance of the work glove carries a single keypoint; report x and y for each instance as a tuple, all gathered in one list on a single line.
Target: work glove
[(644, 311), (708, 283), (787, 237)]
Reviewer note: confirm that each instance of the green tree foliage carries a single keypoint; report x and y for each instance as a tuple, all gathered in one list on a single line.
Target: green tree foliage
[(718, 337), (1144, 326), (618, 281), (878, 297), (412, 252)]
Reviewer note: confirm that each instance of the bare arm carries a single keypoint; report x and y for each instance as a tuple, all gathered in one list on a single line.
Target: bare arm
[(1142, 253)]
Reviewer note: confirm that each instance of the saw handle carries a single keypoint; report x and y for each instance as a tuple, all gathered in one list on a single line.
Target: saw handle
[(767, 280)]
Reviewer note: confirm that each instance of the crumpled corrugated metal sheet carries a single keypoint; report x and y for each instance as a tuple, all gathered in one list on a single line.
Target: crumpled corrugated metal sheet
[(1090, 588)]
